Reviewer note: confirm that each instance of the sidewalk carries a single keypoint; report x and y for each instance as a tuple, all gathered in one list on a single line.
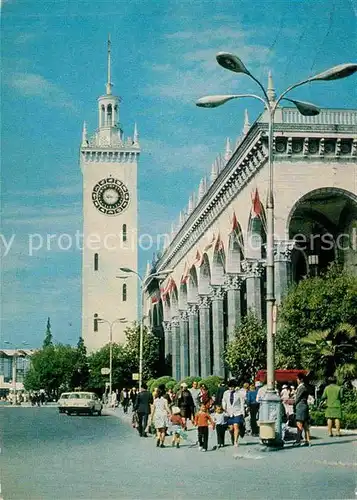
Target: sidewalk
[(250, 447)]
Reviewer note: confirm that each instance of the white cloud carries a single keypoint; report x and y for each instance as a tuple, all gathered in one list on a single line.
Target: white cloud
[(35, 85), (196, 72), (172, 158)]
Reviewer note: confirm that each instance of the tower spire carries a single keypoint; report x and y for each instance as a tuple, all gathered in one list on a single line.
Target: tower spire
[(109, 85), (270, 89), (246, 125)]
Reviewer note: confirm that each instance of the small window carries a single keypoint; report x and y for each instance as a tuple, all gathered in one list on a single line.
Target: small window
[(125, 234), (95, 327), (124, 292), (96, 262)]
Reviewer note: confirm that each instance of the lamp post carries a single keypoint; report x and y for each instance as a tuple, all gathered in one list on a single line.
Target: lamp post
[(111, 324), (271, 402), (160, 274)]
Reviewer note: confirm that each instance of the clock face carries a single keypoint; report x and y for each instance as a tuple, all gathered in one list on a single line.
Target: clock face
[(110, 196)]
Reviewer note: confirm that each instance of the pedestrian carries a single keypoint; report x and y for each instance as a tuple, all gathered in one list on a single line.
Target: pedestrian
[(202, 421), (195, 393), (233, 404), (132, 396), (186, 405), (113, 399), (220, 391), (125, 399), (333, 396), (160, 417), (176, 423), (285, 399), (253, 408), (205, 397), (302, 410), (220, 424), (142, 408)]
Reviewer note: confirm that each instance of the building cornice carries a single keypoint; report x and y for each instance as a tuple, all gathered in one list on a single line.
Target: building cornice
[(252, 154)]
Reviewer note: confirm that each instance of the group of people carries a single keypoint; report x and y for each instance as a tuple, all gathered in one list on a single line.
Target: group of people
[(163, 411), (125, 397), (169, 411)]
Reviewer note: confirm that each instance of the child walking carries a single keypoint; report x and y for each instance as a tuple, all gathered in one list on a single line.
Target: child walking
[(202, 421), (221, 426), (176, 422)]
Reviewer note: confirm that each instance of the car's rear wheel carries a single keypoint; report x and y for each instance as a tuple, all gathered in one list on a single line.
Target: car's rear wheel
[(69, 412)]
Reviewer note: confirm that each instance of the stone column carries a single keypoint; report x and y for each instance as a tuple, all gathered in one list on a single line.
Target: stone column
[(168, 337), (283, 271), (184, 347), (253, 269), (176, 364), (194, 344), (233, 284), (205, 345), (218, 330)]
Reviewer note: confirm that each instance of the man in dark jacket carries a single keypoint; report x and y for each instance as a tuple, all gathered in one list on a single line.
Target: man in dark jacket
[(219, 394), (142, 407)]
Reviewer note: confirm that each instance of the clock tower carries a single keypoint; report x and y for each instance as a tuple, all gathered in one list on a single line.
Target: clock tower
[(108, 163)]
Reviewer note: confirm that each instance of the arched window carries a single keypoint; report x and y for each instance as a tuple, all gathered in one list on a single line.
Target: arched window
[(96, 262), (109, 115), (124, 292), (95, 327), (124, 232)]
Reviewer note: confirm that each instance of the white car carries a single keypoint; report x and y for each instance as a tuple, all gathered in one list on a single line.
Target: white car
[(62, 401), (83, 402)]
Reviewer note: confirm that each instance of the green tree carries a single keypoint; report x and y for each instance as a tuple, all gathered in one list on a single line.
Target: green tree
[(51, 369), (100, 359), (246, 353), (48, 335), (80, 375), (331, 352), (320, 304), (151, 358)]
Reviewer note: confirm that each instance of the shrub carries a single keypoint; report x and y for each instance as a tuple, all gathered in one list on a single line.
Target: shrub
[(159, 381), (349, 420)]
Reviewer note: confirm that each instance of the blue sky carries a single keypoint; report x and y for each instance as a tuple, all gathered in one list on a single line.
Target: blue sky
[(163, 59)]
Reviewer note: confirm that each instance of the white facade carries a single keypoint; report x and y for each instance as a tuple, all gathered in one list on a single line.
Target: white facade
[(109, 166), (217, 250)]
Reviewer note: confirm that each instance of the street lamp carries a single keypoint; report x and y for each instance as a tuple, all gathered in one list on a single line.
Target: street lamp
[(143, 281), (271, 401), (14, 367), (111, 324)]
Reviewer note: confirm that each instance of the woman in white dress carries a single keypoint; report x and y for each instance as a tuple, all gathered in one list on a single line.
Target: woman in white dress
[(160, 416)]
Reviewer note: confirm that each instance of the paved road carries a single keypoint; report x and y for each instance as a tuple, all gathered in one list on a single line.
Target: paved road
[(49, 456)]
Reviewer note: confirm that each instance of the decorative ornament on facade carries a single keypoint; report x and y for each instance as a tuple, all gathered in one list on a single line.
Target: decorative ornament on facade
[(322, 147), (204, 302), (354, 147), (183, 315), (253, 268), (232, 282), (175, 322), (305, 150), (217, 292), (192, 309), (283, 250), (166, 326)]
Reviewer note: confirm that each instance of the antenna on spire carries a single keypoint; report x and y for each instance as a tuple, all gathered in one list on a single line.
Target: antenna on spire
[(109, 84)]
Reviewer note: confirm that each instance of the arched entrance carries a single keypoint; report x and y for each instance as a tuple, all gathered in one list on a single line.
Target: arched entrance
[(324, 225)]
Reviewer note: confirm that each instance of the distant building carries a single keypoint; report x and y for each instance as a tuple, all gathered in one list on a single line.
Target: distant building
[(217, 249), (14, 363)]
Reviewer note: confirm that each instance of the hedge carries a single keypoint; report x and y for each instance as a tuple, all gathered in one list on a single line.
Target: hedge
[(348, 421)]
